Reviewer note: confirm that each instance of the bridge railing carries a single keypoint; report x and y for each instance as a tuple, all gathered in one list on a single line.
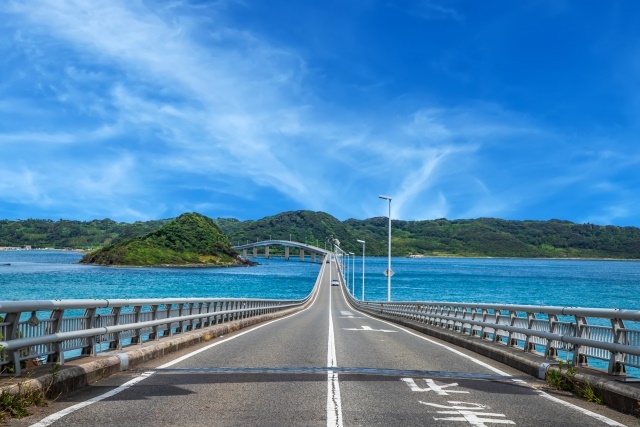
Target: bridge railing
[(49, 330), (578, 334)]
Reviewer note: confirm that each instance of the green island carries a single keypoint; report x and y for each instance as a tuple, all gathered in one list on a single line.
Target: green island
[(191, 240), (482, 237)]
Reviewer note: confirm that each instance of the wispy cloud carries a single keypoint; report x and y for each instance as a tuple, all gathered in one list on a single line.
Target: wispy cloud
[(141, 109), (432, 10)]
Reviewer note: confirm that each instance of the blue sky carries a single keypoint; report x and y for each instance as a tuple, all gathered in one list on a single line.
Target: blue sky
[(138, 110)]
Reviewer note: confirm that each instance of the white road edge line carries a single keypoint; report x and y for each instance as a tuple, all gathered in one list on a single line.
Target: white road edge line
[(584, 411), (334, 404), (58, 415)]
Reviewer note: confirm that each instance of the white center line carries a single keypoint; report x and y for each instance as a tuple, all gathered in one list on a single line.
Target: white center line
[(334, 406)]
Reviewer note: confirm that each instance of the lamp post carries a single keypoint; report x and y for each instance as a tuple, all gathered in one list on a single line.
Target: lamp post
[(345, 265), (389, 272), (353, 273), (363, 244)]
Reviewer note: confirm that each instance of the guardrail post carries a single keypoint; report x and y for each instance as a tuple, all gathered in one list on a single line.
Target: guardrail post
[(440, 322), (136, 338), (169, 331), (446, 310), (455, 326), (616, 362), (216, 307), (496, 336), (205, 308), (198, 309), (116, 343), (551, 352), (579, 358), (434, 310), (12, 332), (483, 332), (188, 308), (154, 335), (476, 331), (529, 346), (513, 342), (57, 355), (90, 348)]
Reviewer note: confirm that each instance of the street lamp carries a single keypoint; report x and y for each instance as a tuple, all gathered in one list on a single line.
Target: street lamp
[(345, 265), (363, 244), (389, 272), (353, 273)]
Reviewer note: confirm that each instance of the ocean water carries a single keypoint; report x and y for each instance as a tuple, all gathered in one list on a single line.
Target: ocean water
[(576, 283), (567, 283), (57, 275), (44, 275)]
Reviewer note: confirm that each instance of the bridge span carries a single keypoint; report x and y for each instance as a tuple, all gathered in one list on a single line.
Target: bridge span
[(325, 363), (314, 252)]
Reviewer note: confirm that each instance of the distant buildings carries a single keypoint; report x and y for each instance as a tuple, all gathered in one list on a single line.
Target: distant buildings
[(15, 248)]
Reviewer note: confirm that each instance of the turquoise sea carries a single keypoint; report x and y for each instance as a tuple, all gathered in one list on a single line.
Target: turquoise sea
[(582, 283)]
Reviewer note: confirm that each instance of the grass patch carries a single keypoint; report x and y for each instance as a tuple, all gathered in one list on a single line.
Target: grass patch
[(16, 405), (568, 382)]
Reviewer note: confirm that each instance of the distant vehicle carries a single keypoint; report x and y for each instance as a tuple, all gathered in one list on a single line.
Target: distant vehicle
[(335, 282)]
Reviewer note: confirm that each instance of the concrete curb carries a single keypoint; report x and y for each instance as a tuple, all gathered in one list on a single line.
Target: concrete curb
[(624, 397), (84, 371)]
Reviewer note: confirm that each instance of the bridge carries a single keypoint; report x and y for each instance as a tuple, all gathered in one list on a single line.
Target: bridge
[(313, 251), (327, 360)]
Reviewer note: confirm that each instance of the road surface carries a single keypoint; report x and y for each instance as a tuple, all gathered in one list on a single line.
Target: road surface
[(328, 365)]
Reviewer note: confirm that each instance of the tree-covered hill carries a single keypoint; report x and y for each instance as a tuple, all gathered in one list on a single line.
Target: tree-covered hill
[(44, 233), (191, 239), (441, 237), (484, 237), (314, 228)]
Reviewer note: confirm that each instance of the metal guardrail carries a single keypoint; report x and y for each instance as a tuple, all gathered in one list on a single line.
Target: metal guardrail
[(610, 335), (89, 326)]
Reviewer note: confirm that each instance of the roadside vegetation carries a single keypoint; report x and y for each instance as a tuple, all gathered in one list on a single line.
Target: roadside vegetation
[(567, 381)]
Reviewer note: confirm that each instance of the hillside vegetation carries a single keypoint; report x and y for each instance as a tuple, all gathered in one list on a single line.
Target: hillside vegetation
[(45, 233), (191, 239), (483, 237)]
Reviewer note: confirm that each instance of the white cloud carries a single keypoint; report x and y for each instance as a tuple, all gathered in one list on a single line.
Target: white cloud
[(22, 186), (157, 99)]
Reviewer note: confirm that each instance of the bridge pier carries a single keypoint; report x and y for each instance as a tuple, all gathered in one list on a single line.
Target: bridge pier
[(301, 254), (244, 254), (255, 252), (313, 257), (286, 253), (266, 252)]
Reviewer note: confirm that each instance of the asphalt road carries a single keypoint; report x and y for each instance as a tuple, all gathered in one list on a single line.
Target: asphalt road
[(328, 365)]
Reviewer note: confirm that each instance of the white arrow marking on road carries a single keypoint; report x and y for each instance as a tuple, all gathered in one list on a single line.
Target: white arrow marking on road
[(432, 386), (368, 328)]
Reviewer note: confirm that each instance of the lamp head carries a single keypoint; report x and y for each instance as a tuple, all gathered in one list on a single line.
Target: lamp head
[(360, 241), (385, 197)]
